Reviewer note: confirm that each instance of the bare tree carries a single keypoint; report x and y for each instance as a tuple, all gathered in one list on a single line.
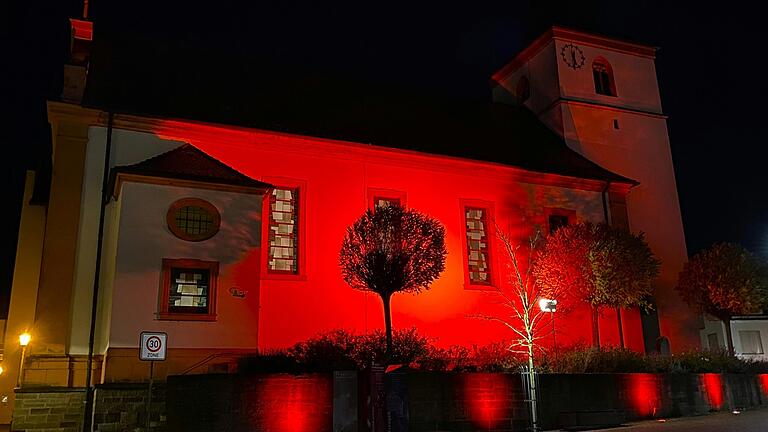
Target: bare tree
[(520, 297), (393, 249)]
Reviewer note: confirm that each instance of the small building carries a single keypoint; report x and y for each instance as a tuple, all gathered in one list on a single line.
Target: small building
[(749, 333)]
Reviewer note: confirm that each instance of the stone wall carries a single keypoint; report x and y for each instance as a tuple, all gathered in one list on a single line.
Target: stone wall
[(118, 408), (123, 407), (48, 409)]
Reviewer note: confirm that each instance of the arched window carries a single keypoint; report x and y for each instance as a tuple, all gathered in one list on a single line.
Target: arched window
[(523, 90), (602, 73)]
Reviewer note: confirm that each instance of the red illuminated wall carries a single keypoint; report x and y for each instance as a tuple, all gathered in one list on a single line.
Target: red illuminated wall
[(337, 179)]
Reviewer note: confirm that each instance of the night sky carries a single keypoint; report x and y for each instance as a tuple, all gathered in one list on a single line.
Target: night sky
[(712, 84)]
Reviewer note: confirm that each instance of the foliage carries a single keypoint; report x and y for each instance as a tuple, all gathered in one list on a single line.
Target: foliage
[(723, 281), (603, 265), (619, 360), (392, 249), (342, 350)]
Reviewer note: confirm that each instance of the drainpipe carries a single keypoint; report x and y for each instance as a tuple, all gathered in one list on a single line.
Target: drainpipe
[(607, 221), (88, 415), (605, 201)]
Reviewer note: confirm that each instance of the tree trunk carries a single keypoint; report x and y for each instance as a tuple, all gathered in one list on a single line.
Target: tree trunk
[(728, 335), (621, 327), (387, 326), (595, 328)]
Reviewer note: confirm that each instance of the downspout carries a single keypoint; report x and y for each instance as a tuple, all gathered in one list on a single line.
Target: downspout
[(88, 415), (607, 221), (605, 202)]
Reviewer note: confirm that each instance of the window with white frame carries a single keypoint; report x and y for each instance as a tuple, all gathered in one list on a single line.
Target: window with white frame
[(750, 342)]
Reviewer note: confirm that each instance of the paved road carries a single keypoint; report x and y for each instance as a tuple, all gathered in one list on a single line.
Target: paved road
[(748, 421)]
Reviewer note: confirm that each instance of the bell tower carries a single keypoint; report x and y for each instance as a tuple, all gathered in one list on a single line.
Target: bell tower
[(601, 95)]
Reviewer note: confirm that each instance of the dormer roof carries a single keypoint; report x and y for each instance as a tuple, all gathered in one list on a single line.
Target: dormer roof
[(187, 166)]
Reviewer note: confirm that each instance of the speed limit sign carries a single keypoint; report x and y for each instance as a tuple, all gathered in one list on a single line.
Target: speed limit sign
[(152, 346)]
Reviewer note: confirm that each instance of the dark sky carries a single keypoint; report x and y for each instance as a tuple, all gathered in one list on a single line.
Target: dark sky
[(709, 66)]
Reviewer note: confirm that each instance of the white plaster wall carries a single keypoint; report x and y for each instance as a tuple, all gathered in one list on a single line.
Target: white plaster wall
[(144, 240), (127, 148), (760, 325), (713, 326), (635, 78), (639, 149), (541, 71)]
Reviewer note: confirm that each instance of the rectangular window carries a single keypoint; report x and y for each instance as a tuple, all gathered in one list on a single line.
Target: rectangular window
[(557, 218), (556, 222), (750, 342), (478, 250), (188, 290), (384, 197), (283, 231), (379, 202), (712, 341)]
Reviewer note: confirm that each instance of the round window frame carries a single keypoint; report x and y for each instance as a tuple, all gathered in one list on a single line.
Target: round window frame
[(170, 219)]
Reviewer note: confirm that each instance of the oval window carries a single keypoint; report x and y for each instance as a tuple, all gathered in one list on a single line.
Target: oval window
[(193, 219)]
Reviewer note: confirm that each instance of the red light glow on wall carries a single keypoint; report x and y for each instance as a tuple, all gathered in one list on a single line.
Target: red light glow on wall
[(488, 398), (763, 383), (645, 393), (297, 307), (291, 404), (713, 386)]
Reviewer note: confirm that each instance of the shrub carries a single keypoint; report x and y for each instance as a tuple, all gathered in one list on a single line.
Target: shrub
[(334, 350), (343, 350), (269, 362)]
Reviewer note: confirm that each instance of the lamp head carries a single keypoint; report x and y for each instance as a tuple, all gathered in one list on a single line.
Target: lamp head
[(548, 305), (24, 339)]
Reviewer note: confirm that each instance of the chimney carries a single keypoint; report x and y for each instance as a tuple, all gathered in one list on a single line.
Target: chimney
[(76, 69)]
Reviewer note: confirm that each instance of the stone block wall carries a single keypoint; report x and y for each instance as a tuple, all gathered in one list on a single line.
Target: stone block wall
[(123, 407), (48, 410)]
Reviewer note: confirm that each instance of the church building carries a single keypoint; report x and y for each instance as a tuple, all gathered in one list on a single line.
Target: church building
[(224, 231)]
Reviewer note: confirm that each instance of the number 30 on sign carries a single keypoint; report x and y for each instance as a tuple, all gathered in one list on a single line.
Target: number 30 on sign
[(152, 346)]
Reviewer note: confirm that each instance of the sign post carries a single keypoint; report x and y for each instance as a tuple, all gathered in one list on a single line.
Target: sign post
[(152, 348)]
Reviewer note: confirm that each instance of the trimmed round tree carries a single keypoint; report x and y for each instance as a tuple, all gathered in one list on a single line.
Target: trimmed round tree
[(599, 264), (725, 280), (392, 249)]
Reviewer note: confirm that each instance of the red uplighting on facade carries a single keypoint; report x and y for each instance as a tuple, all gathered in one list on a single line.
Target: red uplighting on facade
[(295, 307), (292, 404), (488, 398), (645, 393), (763, 383), (713, 386)]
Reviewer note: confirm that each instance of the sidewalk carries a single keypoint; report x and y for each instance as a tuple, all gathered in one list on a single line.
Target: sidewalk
[(748, 421)]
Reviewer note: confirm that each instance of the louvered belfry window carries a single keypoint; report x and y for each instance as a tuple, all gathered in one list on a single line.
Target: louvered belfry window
[(283, 231), (478, 262)]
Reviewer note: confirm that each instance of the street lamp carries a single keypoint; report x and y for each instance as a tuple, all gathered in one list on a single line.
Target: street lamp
[(550, 305), (24, 339)]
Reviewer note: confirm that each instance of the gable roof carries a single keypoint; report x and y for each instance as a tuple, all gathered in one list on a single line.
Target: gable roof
[(188, 164), (244, 92)]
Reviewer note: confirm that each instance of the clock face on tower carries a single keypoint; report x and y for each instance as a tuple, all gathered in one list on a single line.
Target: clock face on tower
[(572, 56)]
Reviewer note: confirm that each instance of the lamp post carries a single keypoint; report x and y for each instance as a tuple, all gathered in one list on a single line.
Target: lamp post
[(24, 339), (550, 305)]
